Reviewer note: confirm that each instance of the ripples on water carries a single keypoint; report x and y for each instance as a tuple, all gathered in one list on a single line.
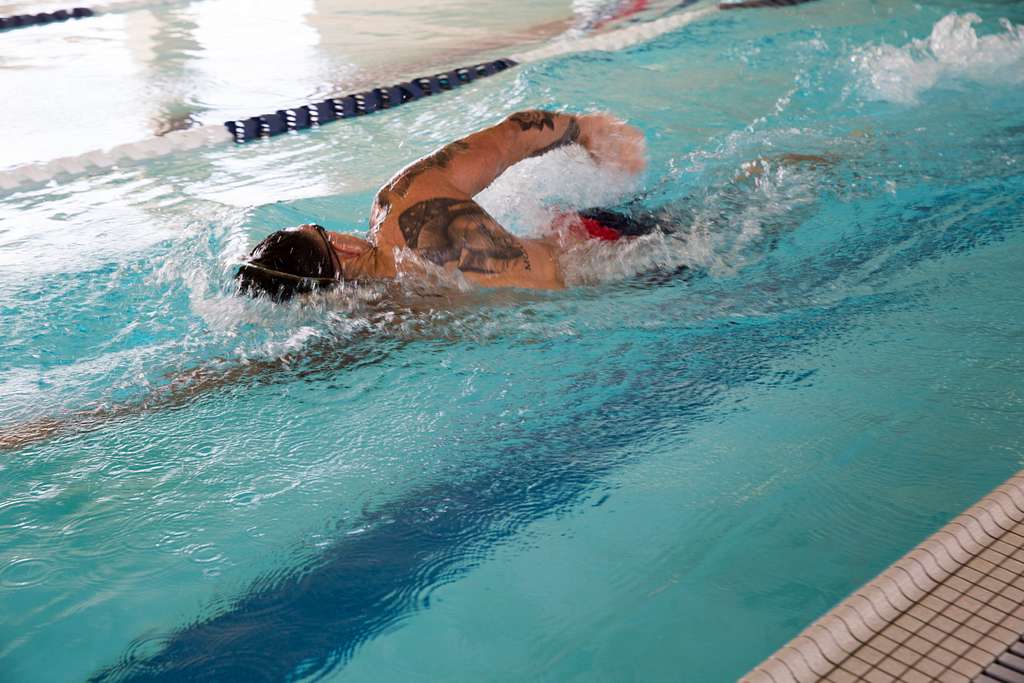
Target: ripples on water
[(715, 436)]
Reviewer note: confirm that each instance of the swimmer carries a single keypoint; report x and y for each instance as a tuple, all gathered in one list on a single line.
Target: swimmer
[(428, 208)]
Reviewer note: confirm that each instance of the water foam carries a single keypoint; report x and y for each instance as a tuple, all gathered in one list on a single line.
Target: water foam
[(717, 231), (953, 51), (521, 199)]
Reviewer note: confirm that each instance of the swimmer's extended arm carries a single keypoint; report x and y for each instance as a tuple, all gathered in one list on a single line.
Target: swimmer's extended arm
[(478, 159), (472, 163)]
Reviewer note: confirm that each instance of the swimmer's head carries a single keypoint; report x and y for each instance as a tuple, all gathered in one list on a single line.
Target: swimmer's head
[(290, 262)]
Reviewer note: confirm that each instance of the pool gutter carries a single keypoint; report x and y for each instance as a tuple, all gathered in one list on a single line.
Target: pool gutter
[(946, 611)]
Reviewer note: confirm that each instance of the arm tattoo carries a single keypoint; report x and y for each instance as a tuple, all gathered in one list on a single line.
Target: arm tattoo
[(439, 160), (446, 230), (536, 119), (571, 135)]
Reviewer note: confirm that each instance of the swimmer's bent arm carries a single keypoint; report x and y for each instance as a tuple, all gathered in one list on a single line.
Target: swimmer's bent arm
[(483, 156), (472, 163)]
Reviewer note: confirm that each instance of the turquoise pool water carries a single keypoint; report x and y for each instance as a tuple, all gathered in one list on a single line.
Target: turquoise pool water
[(654, 475)]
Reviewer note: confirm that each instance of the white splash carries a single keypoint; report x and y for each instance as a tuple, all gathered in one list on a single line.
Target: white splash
[(522, 198), (953, 51)]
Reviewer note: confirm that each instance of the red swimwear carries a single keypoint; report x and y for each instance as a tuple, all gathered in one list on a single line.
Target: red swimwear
[(608, 225), (586, 226), (599, 230)]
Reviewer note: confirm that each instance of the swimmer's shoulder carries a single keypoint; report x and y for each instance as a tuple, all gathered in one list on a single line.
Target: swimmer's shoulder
[(393, 206)]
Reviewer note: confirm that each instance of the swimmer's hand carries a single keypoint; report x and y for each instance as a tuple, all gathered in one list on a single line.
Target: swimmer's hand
[(612, 142)]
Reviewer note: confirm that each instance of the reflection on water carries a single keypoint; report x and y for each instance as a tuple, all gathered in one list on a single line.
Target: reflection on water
[(165, 66)]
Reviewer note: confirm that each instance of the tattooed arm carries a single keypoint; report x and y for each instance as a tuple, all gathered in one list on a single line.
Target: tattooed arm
[(485, 155), (471, 164), (428, 207)]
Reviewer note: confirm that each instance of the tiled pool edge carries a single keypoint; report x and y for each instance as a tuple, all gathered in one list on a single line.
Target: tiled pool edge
[(879, 623)]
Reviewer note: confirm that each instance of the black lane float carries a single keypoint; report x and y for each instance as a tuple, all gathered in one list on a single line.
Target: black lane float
[(359, 104), (23, 20)]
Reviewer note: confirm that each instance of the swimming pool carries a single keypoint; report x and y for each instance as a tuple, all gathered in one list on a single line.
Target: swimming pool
[(653, 476)]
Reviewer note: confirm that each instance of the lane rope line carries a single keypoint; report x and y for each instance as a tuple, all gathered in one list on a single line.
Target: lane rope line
[(23, 20), (359, 104), (619, 39), (376, 99), (61, 15)]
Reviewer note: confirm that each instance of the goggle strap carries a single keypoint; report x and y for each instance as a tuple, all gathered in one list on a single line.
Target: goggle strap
[(289, 276)]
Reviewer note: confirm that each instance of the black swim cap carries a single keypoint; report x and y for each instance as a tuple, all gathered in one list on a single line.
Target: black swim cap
[(289, 262)]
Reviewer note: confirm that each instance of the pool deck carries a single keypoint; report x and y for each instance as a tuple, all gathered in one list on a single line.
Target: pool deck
[(950, 610)]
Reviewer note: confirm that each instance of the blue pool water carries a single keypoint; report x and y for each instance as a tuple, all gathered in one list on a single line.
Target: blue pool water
[(654, 475)]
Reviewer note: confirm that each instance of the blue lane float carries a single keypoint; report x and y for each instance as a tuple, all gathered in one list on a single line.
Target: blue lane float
[(359, 104), (23, 20)]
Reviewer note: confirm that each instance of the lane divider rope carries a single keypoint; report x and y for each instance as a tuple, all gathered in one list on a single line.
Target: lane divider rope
[(619, 39), (359, 104), (367, 102), (58, 16), (22, 20), (761, 4)]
